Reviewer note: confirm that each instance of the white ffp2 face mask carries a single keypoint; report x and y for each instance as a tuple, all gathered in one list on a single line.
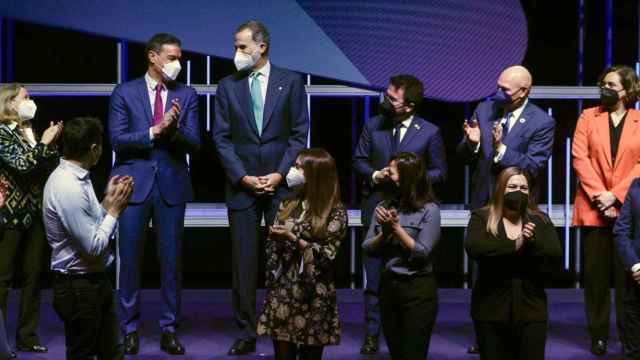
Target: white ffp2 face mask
[(27, 110), (172, 69), (245, 61), (295, 177)]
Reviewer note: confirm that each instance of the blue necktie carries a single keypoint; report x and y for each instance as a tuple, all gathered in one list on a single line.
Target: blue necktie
[(505, 126), (256, 100)]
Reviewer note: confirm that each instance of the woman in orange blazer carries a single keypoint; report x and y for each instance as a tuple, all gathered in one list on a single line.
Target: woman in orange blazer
[(606, 158)]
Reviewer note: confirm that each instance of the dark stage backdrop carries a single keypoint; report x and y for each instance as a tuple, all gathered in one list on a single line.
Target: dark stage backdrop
[(34, 53)]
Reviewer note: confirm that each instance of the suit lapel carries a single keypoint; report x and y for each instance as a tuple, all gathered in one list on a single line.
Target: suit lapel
[(244, 97), (520, 124), (145, 102), (602, 126), (629, 132), (414, 128), (274, 89)]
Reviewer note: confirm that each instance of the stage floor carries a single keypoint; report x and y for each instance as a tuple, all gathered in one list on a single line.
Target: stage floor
[(208, 330)]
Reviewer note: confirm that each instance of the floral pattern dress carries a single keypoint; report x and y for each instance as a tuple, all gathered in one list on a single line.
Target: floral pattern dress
[(300, 305)]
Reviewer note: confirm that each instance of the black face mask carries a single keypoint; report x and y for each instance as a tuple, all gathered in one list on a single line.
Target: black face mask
[(516, 201), (386, 108), (608, 97)]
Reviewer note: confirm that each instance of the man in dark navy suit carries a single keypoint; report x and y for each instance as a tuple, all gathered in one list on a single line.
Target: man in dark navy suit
[(153, 125), (506, 130), (627, 240), (396, 129), (261, 125)]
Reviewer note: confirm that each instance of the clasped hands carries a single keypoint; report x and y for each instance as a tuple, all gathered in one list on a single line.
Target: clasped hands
[(388, 219), (169, 122), (605, 202), (262, 185)]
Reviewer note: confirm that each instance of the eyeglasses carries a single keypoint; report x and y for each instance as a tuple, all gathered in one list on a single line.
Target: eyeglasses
[(515, 187)]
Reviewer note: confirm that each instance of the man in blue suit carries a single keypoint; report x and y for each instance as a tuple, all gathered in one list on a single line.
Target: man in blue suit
[(506, 130), (153, 125), (261, 125), (396, 129), (626, 233)]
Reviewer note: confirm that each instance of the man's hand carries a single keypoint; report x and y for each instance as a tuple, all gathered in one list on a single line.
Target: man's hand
[(119, 192), (471, 131), (269, 183), (380, 175), (252, 184), (169, 122), (604, 200), (497, 135)]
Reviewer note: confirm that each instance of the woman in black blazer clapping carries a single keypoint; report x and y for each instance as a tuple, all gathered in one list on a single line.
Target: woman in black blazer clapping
[(514, 244)]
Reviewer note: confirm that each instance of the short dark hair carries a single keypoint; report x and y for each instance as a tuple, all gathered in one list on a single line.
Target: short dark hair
[(155, 43), (259, 32), (628, 79), (79, 134), (413, 88)]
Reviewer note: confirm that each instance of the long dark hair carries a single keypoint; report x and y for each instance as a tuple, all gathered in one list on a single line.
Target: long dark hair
[(321, 188), (414, 188)]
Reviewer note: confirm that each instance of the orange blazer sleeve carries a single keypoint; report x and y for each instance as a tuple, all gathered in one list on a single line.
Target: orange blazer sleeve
[(589, 179)]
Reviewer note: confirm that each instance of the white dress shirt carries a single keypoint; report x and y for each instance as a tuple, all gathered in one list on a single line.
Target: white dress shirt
[(403, 131), (79, 230), (151, 90), (264, 71)]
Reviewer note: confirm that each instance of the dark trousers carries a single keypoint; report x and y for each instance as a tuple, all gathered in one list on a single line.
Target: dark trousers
[(5, 349), (505, 341), (600, 266), (245, 243), (408, 309), (372, 268), (86, 304), (631, 321), (29, 248), (168, 223)]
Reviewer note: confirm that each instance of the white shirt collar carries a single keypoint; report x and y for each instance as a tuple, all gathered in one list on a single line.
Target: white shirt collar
[(12, 125), (80, 172), (151, 82), (265, 70), (406, 123), (517, 112)]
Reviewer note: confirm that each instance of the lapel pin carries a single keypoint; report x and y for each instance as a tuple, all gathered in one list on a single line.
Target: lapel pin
[(416, 126), (279, 87), (522, 120)]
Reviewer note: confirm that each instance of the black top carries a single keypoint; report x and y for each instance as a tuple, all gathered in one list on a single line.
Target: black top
[(510, 286), (615, 132)]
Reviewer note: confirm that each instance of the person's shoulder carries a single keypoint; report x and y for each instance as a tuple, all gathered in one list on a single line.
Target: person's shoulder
[(482, 212), (284, 73), (538, 113), (127, 85), (421, 123), (431, 207)]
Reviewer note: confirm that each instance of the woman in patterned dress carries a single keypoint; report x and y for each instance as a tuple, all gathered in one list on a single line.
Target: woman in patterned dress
[(25, 164), (300, 311)]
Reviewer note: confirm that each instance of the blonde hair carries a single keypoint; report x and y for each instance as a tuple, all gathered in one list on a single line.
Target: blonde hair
[(495, 204), (8, 93)]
